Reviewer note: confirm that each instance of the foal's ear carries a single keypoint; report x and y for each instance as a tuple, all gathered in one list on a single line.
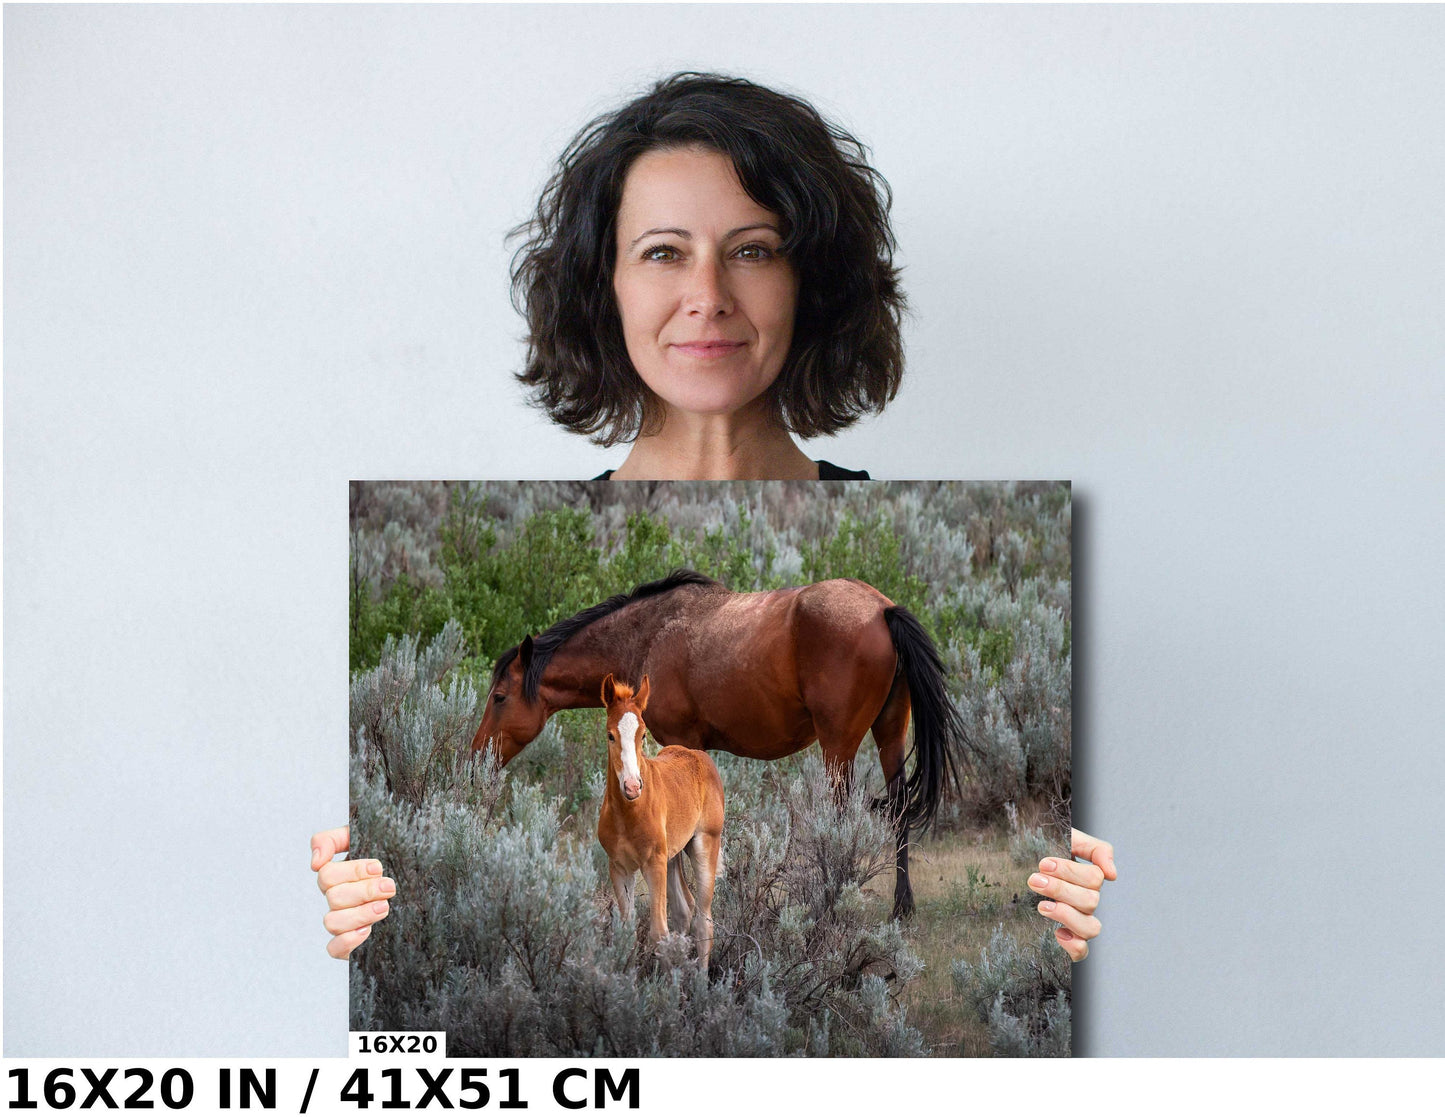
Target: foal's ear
[(642, 694), (609, 690)]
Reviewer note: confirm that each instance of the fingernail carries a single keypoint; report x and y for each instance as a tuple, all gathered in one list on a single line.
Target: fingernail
[(365, 931), (1046, 906), (381, 907), (1049, 865), (1038, 882), (1065, 933), (386, 886), (374, 868)]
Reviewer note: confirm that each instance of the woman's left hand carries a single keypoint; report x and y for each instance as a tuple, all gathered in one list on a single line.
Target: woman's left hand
[(1072, 888)]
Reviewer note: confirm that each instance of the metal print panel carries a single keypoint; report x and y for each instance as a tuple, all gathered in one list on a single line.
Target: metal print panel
[(712, 768)]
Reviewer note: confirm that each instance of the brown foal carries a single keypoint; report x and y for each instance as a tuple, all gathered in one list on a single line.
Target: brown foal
[(654, 810)]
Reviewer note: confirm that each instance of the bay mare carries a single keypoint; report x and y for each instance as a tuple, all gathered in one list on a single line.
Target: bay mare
[(654, 811), (755, 674)]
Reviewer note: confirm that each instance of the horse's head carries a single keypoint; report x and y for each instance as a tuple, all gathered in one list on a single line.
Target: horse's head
[(625, 728), (510, 720)]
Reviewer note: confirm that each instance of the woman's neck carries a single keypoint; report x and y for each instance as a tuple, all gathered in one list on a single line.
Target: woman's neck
[(743, 446)]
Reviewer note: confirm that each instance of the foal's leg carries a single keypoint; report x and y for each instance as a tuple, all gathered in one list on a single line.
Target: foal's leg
[(655, 870), (890, 732), (703, 851), (623, 883), (679, 896)]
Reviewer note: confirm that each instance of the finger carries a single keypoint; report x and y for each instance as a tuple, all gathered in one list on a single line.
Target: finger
[(1084, 899), (1100, 852), (350, 919), (1083, 873), (326, 844), (340, 872), (1083, 926), (360, 892), (342, 945), (1076, 948)]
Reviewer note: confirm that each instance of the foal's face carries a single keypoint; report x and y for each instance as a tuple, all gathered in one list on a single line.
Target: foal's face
[(625, 731), (624, 745)]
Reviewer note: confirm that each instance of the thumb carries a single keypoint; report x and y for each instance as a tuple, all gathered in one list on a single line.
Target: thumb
[(1100, 852), (326, 844)]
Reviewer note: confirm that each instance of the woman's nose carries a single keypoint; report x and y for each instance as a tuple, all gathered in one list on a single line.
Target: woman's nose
[(707, 293)]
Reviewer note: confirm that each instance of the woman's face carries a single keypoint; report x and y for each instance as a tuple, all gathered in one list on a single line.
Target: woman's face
[(706, 301)]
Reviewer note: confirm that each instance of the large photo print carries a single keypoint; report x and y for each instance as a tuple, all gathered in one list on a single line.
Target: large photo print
[(712, 768)]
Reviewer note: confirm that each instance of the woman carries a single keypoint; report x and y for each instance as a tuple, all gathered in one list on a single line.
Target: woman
[(709, 274)]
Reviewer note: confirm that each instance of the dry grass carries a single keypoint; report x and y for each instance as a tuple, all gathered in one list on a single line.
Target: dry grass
[(964, 885)]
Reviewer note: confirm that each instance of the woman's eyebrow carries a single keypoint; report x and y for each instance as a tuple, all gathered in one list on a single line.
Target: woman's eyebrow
[(749, 228), (685, 235)]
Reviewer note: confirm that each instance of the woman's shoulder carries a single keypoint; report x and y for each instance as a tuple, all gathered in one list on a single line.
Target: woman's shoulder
[(827, 471)]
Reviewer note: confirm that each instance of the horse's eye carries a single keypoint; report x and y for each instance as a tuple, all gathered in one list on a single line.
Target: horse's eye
[(500, 699)]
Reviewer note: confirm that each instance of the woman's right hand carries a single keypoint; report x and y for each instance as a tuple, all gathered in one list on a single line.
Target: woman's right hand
[(356, 892)]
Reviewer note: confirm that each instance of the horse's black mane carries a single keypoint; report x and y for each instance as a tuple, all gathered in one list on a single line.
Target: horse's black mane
[(546, 644)]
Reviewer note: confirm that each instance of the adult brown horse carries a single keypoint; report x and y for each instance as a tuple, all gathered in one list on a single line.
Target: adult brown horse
[(755, 674)]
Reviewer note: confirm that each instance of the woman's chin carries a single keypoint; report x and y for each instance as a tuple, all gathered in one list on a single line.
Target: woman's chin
[(702, 403)]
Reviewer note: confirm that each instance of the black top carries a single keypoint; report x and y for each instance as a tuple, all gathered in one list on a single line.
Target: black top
[(827, 471)]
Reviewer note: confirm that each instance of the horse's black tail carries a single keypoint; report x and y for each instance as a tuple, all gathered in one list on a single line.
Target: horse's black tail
[(938, 732)]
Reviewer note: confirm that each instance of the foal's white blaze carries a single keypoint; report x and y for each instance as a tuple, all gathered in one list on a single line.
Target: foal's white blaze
[(629, 729)]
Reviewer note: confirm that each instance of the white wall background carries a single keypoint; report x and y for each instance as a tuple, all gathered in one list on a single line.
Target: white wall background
[(1191, 258)]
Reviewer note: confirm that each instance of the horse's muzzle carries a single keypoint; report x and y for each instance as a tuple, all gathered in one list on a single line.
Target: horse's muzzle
[(631, 789)]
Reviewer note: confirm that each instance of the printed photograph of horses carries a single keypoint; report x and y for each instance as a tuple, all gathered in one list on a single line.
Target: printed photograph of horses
[(583, 729)]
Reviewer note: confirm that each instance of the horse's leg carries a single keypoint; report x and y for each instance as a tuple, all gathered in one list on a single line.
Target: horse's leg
[(838, 763), (703, 851), (622, 885), (890, 732), (845, 681), (679, 896), (655, 870), (839, 739)]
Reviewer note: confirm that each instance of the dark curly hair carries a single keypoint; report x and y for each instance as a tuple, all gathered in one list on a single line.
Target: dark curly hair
[(846, 357)]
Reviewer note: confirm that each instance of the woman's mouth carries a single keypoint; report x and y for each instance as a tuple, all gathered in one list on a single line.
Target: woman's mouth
[(708, 349)]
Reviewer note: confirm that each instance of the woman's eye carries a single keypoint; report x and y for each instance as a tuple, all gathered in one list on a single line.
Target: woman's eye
[(754, 252), (662, 252)]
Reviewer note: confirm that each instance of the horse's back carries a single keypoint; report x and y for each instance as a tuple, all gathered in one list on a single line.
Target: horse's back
[(750, 673), (842, 603), (843, 618)]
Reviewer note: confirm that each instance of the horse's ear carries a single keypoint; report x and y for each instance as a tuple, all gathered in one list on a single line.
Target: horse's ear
[(609, 690), (524, 654), (642, 694)]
